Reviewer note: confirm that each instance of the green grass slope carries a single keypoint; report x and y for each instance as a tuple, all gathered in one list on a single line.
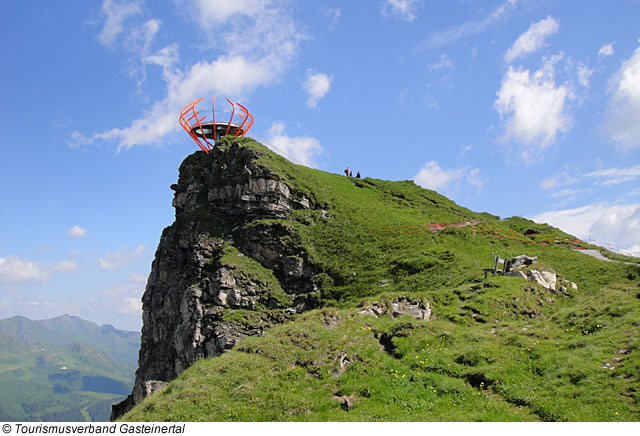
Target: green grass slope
[(500, 349)]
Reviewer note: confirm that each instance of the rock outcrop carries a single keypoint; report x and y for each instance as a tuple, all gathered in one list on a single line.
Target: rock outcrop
[(519, 266), (218, 273)]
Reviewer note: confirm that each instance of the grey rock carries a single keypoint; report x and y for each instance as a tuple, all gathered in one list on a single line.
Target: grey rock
[(420, 310), (521, 261), (546, 279), (414, 309)]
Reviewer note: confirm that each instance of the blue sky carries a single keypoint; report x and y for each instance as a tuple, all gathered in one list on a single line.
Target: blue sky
[(514, 107)]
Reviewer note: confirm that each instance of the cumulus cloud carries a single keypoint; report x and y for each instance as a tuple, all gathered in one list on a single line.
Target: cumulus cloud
[(15, 270), (606, 50), (402, 9), (300, 149), (119, 258), (258, 45), (617, 224), (432, 176), (533, 39), (532, 107), (622, 119), (117, 13), (584, 74), (316, 85), (232, 75), (77, 232)]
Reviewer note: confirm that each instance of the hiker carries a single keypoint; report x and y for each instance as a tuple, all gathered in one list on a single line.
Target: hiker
[(358, 175), (346, 172), (350, 173)]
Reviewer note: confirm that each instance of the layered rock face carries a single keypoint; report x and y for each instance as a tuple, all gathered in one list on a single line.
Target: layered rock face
[(218, 274)]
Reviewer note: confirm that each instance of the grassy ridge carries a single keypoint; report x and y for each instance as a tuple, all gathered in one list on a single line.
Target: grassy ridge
[(502, 349)]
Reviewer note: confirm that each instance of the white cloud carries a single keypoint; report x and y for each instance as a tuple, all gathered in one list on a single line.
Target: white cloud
[(402, 9), (631, 251), (550, 182), (619, 224), (226, 75), (300, 149), (258, 43), (431, 176), (317, 85), (119, 258), (613, 176), (122, 302), (606, 176), (214, 12), (571, 193), (533, 39), (139, 38), (606, 50), (584, 74), (77, 232), (444, 62), (335, 14), (14, 270), (138, 278), (534, 107), (117, 13), (622, 119), (125, 299), (467, 28), (66, 266)]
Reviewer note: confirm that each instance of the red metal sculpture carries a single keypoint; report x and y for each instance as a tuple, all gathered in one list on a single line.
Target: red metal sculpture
[(202, 132)]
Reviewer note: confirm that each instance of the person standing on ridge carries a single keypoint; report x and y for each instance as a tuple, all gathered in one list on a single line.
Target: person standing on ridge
[(358, 175), (346, 172)]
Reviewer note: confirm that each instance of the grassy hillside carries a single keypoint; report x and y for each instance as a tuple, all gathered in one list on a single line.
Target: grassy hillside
[(45, 375), (497, 349)]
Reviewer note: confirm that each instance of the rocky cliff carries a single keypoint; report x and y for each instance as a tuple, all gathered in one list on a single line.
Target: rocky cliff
[(224, 269)]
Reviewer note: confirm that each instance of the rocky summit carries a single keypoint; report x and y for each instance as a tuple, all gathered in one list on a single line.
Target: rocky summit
[(197, 277), (324, 297)]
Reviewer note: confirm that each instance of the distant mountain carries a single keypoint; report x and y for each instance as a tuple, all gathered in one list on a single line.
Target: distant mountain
[(121, 345), (63, 369)]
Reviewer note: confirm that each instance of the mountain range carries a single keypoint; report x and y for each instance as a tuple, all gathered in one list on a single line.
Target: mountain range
[(63, 369)]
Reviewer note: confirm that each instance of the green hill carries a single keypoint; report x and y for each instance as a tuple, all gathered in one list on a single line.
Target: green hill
[(50, 373), (500, 349)]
